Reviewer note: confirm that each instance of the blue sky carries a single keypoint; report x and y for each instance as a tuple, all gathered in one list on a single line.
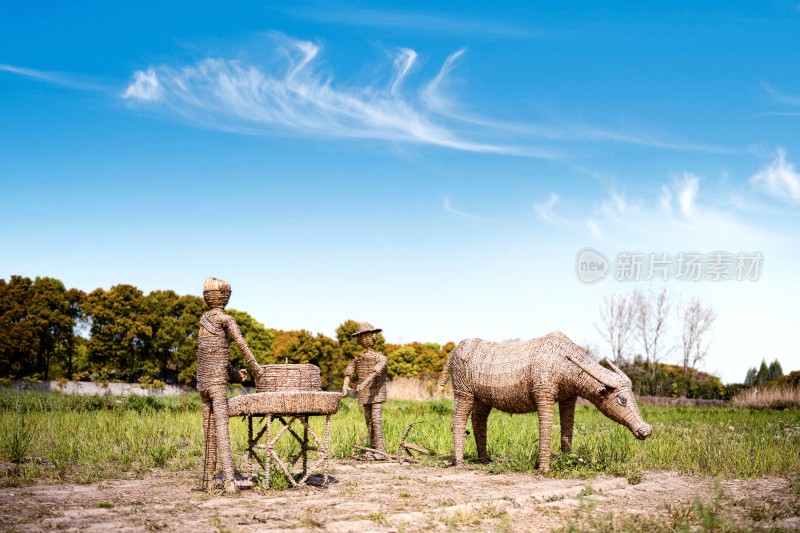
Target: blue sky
[(434, 170)]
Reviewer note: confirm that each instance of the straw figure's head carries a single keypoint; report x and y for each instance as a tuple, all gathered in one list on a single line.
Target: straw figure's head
[(216, 293), (616, 401), (365, 335)]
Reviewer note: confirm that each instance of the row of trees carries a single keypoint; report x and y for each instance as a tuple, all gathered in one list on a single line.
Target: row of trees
[(121, 334), (764, 374), (645, 329), (639, 324)]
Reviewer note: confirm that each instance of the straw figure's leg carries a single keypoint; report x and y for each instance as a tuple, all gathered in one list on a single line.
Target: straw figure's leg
[(566, 411), (376, 427), (220, 408), (480, 417), (368, 420), (462, 407), (544, 404), (209, 442)]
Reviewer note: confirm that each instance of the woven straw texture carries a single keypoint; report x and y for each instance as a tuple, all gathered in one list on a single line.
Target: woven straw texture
[(521, 377), (284, 403), (370, 363), (371, 368), (213, 371), (277, 378)]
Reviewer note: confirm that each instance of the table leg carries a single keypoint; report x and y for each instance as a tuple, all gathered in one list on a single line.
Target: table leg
[(304, 446), (250, 449), (268, 454), (324, 449)]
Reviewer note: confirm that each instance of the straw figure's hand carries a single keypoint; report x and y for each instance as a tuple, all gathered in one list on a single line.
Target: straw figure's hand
[(364, 384), (243, 374)]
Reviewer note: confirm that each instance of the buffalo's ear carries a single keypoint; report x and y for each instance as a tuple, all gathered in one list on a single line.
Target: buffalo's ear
[(604, 390)]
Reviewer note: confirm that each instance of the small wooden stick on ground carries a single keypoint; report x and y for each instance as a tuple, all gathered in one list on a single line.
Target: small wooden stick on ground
[(389, 456)]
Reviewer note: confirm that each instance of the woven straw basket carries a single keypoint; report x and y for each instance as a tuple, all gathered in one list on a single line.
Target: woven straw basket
[(279, 378)]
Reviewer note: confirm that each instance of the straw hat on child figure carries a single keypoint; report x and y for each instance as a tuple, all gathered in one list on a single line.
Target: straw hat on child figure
[(371, 369), (213, 370)]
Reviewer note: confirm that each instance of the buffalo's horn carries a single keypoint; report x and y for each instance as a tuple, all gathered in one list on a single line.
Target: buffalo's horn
[(617, 370), (586, 369)]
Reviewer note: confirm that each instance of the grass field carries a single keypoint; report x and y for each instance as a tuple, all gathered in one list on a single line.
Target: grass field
[(85, 439)]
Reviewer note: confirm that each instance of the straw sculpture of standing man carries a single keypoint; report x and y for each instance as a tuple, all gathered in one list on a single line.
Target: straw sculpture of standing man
[(213, 370), (371, 369)]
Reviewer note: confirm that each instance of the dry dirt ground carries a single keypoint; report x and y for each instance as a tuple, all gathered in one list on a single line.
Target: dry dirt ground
[(382, 497)]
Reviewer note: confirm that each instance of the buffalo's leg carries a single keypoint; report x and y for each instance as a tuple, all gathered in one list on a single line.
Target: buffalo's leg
[(566, 411), (462, 407), (480, 416), (544, 404)]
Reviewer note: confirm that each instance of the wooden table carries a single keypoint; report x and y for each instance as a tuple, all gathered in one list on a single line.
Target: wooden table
[(292, 411)]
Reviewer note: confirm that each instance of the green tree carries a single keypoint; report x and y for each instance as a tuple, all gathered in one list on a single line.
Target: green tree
[(19, 342), (75, 299), (403, 362), (121, 327), (774, 371), (763, 374), (188, 309), (171, 348), (302, 347), (51, 312), (37, 320), (750, 378), (258, 337)]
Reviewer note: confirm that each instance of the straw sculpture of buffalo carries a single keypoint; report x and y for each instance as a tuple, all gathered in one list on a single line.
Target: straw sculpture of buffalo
[(528, 376)]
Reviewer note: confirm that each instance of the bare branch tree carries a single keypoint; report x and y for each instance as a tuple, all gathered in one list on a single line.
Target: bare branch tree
[(651, 311), (616, 314), (697, 321)]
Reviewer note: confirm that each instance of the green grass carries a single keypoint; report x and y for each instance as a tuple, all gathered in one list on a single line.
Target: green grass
[(85, 439)]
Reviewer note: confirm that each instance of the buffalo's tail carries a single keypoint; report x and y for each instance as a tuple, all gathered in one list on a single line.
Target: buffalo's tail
[(445, 372)]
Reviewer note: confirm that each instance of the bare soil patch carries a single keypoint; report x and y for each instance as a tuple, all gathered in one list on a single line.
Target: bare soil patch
[(383, 497)]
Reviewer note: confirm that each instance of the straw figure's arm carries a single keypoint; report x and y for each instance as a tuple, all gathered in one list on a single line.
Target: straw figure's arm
[(233, 328), (380, 368), (348, 373)]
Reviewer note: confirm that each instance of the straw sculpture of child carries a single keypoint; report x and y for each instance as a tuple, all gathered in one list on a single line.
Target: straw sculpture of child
[(371, 369), (213, 370)]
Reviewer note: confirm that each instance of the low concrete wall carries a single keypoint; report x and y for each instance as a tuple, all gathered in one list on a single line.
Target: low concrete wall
[(88, 387)]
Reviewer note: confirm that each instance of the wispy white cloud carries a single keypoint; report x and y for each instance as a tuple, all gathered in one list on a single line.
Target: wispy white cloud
[(665, 199), (403, 63), (432, 93), (594, 228), (780, 96), (780, 114), (56, 78), (545, 210), (234, 95), (676, 214), (414, 21), (778, 179), (291, 93), (688, 194), (448, 207), (144, 86)]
